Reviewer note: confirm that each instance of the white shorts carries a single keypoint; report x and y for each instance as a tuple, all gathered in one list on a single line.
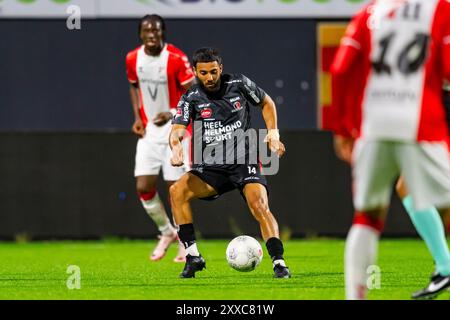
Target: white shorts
[(425, 167), (151, 156)]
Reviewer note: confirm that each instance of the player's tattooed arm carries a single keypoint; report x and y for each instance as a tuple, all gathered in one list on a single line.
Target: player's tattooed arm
[(138, 126), (176, 135), (269, 112)]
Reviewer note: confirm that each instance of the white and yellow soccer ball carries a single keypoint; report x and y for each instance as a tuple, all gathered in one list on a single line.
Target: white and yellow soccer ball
[(244, 253)]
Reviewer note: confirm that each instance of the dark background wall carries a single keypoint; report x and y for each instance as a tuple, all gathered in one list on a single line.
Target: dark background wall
[(55, 79), (81, 185)]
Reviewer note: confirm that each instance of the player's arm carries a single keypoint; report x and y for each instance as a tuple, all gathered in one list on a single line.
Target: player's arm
[(175, 138), (447, 61), (138, 126), (179, 124), (185, 74), (256, 96), (269, 112), (446, 55), (162, 118), (130, 62), (345, 60)]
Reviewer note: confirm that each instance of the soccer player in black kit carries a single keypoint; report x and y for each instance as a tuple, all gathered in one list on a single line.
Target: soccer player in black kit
[(221, 104)]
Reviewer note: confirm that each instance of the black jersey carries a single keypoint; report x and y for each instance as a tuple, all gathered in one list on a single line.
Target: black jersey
[(221, 120)]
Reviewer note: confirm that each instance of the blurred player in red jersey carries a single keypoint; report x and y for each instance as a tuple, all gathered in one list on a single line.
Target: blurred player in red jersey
[(159, 73), (399, 52)]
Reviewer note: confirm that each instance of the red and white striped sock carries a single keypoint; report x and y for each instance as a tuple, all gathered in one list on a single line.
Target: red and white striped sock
[(155, 209), (361, 251)]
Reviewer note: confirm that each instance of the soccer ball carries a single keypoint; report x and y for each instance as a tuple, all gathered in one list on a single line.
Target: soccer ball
[(244, 253)]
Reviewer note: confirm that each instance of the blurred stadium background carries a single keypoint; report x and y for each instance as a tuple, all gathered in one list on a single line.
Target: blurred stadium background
[(66, 150)]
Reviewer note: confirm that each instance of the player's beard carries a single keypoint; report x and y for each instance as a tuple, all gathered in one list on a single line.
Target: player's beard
[(214, 89)]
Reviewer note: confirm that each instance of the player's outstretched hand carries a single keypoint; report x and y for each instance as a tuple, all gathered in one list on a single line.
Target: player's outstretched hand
[(162, 118), (273, 139), (343, 146), (177, 156), (278, 147), (138, 128)]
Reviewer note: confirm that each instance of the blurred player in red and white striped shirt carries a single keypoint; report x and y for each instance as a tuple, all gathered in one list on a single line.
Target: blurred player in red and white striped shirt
[(387, 94), (159, 73)]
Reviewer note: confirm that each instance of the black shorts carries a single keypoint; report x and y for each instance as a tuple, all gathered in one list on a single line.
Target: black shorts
[(226, 178)]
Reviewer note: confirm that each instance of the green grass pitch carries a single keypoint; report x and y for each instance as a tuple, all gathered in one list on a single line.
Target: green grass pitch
[(121, 270)]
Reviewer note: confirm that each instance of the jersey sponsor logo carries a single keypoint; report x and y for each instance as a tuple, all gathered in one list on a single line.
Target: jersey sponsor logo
[(153, 92), (204, 105), (206, 113), (216, 131), (237, 106), (393, 95), (186, 112), (252, 94), (235, 99), (179, 113)]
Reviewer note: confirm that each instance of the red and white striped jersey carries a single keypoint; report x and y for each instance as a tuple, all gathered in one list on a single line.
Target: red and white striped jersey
[(161, 79), (389, 70)]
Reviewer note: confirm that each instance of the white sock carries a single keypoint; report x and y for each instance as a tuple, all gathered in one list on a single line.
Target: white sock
[(280, 262), (192, 250), (360, 252), (167, 230), (157, 213)]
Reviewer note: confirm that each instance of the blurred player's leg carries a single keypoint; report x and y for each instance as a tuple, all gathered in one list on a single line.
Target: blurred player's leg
[(361, 250), (150, 157), (374, 172), (186, 189), (155, 209), (440, 279), (426, 170), (258, 203), (429, 225)]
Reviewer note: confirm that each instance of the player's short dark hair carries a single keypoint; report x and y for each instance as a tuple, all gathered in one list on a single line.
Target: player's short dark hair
[(151, 18), (206, 54)]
